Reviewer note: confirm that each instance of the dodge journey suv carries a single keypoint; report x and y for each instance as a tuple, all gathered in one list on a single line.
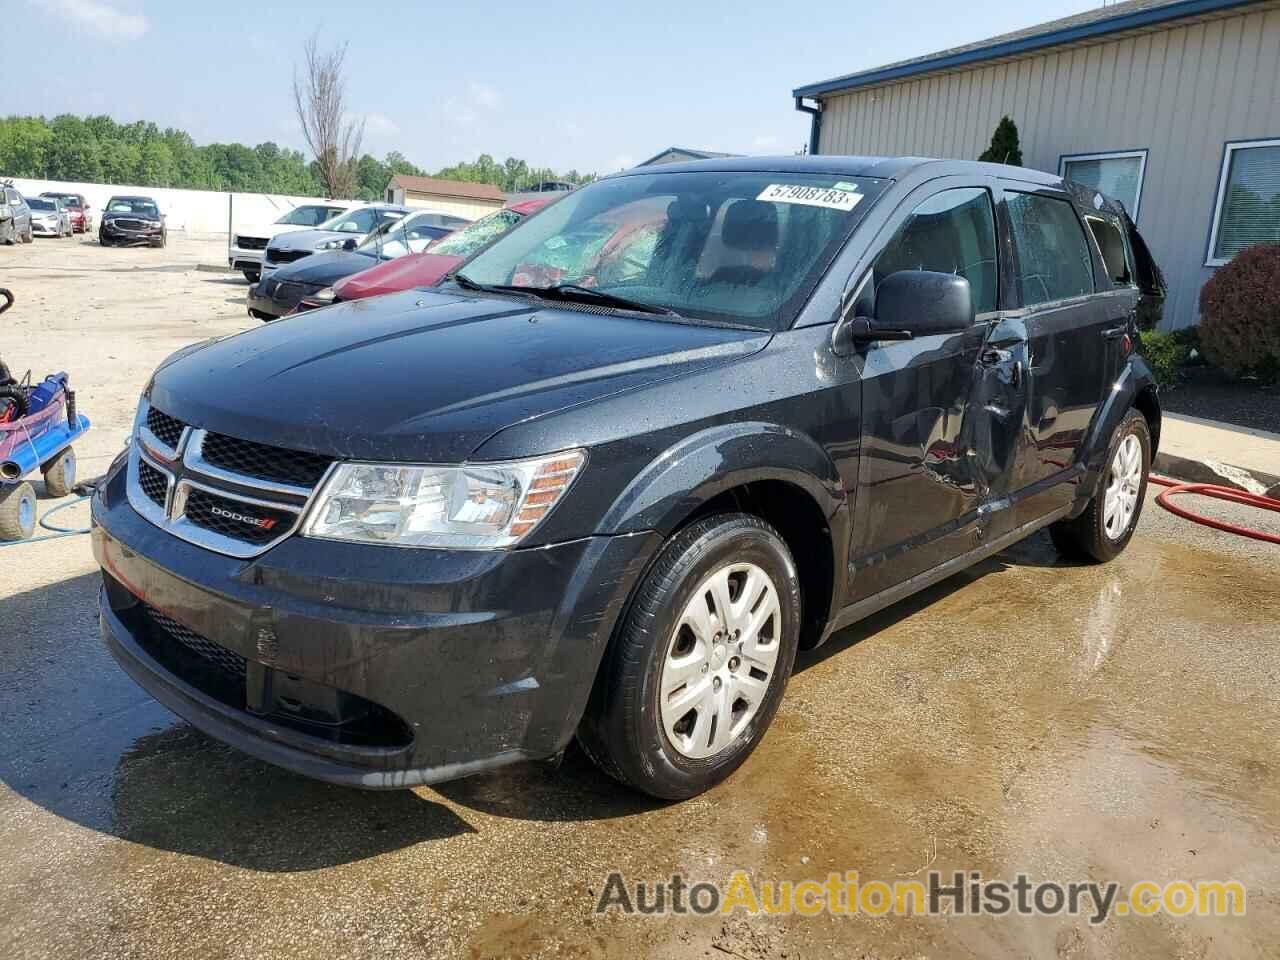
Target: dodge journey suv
[(609, 476)]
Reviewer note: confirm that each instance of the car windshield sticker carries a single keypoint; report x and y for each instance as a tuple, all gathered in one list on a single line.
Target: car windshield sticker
[(829, 197)]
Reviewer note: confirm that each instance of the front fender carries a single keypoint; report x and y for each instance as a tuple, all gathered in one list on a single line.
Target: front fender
[(1134, 387), (700, 467)]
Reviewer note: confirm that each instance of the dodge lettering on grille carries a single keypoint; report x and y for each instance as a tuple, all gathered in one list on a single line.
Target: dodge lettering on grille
[(265, 523)]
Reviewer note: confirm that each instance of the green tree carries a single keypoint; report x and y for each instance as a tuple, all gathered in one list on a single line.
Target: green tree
[(1004, 145), (24, 146), (73, 151), (156, 167)]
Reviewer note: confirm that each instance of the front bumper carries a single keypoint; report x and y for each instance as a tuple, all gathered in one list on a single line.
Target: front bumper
[(365, 665), (115, 234), (42, 229), (276, 299)]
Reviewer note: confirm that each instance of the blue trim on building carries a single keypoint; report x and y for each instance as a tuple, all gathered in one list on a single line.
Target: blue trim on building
[(1085, 31)]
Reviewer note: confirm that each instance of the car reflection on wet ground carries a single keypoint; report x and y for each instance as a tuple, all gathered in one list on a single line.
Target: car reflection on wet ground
[(1115, 722)]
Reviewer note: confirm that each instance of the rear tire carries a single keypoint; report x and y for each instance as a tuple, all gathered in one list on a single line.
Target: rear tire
[(29, 236), (17, 511), (60, 474), (1105, 528), (689, 686)]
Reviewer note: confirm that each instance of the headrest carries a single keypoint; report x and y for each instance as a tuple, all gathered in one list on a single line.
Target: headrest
[(750, 225), (688, 210)]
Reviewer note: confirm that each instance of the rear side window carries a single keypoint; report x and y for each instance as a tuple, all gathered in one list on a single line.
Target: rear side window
[(1052, 253), (1112, 247), (951, 232)]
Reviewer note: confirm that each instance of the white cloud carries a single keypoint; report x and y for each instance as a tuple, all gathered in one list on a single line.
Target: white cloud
[(380, 125), (483, 95), (98, 16)]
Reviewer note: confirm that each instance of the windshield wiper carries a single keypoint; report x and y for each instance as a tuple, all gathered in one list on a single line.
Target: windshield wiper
[(574, 292), (571, 292)]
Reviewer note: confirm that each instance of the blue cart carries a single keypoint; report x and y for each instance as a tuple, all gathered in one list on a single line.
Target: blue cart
[(38, 425)]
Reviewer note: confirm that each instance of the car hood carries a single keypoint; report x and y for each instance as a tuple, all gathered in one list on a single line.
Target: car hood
[(307, 239), (324, 269), (403, 273), (425, 377), (268, 230)]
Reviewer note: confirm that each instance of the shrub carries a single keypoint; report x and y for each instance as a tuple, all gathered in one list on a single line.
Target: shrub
[(1167, 352), (1240, 312), (1004, 145)]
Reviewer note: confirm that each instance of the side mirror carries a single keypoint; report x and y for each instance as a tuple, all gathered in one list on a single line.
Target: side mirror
[(349, 243), (917, 303)]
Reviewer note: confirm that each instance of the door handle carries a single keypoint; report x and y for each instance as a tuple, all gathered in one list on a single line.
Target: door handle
[(1115, 333)]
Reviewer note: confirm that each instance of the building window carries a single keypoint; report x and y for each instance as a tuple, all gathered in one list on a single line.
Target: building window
[(1247, 208), (1116, 175)]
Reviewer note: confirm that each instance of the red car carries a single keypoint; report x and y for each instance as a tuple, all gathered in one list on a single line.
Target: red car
[(77, 209), (429, 267)]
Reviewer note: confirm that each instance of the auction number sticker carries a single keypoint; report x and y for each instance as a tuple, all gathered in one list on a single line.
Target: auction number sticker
[(829, 197)]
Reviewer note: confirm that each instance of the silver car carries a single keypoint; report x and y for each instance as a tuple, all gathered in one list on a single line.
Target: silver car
[(343, 232), (49, 217)]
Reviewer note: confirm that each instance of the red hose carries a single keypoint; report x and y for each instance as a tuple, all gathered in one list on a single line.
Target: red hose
[(1230, 494)]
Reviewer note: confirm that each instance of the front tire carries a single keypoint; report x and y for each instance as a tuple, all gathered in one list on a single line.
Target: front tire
[(1105, 528), (698, 667), (17, 511)]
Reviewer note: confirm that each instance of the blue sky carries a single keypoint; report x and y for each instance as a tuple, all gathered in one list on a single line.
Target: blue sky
[(589, 86)]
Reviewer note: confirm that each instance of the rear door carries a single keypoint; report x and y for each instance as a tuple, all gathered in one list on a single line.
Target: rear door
[(1066, 324)]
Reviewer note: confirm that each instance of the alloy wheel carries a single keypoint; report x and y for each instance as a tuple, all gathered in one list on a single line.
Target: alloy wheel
[(720, 660), (1121, 500)]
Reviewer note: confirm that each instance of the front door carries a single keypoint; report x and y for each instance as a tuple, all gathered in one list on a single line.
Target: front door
[(917, 500)]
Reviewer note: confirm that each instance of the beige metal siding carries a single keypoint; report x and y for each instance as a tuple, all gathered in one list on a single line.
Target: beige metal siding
[(471, 209), (1180, 93)]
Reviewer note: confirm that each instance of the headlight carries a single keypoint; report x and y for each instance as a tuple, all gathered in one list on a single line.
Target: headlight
[(322, 296), (481, 506), (330, 244)]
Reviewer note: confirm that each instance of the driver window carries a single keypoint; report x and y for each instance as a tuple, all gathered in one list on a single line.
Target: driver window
[(951, 232)]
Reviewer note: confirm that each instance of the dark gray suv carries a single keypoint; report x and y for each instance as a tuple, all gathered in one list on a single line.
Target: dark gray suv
[(611, 474)]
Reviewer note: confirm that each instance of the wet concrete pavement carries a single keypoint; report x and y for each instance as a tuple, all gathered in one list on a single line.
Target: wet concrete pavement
[(1109, 723), (1118, 722)]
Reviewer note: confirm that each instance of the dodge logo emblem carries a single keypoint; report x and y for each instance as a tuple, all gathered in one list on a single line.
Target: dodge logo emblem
[(262, 523)]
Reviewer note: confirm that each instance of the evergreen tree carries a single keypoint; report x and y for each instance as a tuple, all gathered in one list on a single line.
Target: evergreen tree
[(1004, 145)]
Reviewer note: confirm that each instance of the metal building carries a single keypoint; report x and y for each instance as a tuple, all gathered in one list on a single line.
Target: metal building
[(1170, 107)]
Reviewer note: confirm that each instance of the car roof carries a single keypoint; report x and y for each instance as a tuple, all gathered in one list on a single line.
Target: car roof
[(121, 196), (889, 168), (527, 207)]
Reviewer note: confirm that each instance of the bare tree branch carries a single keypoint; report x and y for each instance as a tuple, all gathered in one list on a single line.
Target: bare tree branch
[(320, 98)]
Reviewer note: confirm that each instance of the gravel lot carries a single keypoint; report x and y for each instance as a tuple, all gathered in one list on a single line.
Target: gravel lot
[(1113, 722)]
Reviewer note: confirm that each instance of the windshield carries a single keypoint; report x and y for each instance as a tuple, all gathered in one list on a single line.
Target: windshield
[(36, 203), (307, 216), (362, 219), (471, 238), (395, 238), (66, 201), (118, 205), (737, 247)]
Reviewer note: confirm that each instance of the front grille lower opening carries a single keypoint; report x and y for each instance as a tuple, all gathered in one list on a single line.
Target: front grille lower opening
[(167, 429), (153, 483)]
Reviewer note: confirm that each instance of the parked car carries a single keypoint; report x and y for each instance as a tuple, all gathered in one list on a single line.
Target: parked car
[(49, 218), (345, 232), (15, 216), (432, 533), (77, 209), (281, 292), (132, 221), (429, 267), (249, 242)]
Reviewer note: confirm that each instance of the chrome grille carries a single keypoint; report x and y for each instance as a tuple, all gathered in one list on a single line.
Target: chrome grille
[(264, 462), (228, 661), (235, 497), (285, 256), (251, 243)]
